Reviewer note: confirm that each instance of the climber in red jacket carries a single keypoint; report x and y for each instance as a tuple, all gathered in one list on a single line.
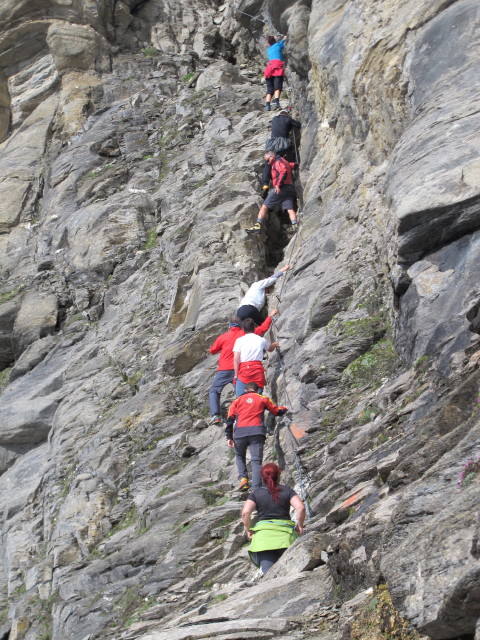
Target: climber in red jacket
[(224, 345), (283, 193), (274, 72), (249, 432)]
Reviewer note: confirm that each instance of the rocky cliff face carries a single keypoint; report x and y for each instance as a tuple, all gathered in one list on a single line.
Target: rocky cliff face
[(132, 134)]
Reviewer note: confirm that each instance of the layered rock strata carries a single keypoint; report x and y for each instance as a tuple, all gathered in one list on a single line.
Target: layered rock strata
[(132, 137)]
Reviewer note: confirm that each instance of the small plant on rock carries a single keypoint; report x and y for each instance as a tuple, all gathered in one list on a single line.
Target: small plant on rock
[(220, 597), (151, 240), (368, 369), (470, 471), (4, 378), (211, 496), (421, 364), (369, 414), (150, 52), (378, 619)]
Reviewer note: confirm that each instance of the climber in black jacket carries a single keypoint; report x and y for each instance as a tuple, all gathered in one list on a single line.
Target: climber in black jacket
[(279, 142)]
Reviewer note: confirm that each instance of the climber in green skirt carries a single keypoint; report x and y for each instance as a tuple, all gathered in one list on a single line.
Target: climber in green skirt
[(274, 531)]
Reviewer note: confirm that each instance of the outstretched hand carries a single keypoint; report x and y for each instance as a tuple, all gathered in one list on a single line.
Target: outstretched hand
[(274, 312), (287, 267)]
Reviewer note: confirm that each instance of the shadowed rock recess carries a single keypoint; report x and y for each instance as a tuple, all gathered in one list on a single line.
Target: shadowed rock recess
[(131, 144)]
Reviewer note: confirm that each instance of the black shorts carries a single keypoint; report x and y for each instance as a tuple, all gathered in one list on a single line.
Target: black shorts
[(275, 83), (249, 311), (285, 199)]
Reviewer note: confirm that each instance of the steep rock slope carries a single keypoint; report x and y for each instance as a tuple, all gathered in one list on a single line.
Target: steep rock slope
[(133, 135)]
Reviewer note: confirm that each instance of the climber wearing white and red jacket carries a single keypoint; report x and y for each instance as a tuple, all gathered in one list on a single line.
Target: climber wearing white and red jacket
[(224, 345), (248, 353), (246, 430)]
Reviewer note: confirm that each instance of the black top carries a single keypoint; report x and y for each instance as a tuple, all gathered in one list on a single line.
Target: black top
[(282, 125), (270, 510)]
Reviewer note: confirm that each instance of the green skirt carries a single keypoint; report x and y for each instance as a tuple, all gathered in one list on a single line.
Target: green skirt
[(271, 534)]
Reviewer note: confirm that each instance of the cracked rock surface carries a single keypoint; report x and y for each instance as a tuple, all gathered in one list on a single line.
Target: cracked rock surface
[(132, 136)]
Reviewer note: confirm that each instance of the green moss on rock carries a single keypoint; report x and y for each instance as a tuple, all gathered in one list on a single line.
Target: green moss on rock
[(379, 620), (369, 369)]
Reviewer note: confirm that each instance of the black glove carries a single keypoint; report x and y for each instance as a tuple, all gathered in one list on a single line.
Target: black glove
[(265, 191), (229, 428), (282, 411)]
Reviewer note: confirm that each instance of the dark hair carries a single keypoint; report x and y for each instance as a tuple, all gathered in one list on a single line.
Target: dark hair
[(252, 386), (270, 475), (234, 321), (271, 40), (248, 325)]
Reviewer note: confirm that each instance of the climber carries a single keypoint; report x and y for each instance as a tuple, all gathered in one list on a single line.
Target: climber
[(248, 352), (279, 140), (224, 345), (274, 72), (249, 432), (274, 531), (283, 192), (254, 300)]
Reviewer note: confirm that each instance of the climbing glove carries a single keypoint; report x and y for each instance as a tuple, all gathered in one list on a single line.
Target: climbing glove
[(229, 427), (264, 191), (282, 411)]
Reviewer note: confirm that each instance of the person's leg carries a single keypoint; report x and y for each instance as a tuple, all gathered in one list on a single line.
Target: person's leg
[(278, 86), (262, 214), (249, 311), (268, 558), (220, 380), (288, 198), (240, 388), (292, 215), (256, 457), (256, 316), (270, 90), (241, 445)]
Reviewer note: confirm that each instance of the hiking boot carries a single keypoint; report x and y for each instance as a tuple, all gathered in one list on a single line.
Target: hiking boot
[(243, 484), (257, 228), (276, 105), (216, 419), (292, 230), (267, 107)]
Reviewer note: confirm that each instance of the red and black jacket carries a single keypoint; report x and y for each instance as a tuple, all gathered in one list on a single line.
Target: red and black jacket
[(282, 172), (246, 412), (224, 343)]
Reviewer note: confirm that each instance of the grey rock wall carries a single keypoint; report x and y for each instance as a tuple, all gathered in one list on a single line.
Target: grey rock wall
[(132, 137)]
